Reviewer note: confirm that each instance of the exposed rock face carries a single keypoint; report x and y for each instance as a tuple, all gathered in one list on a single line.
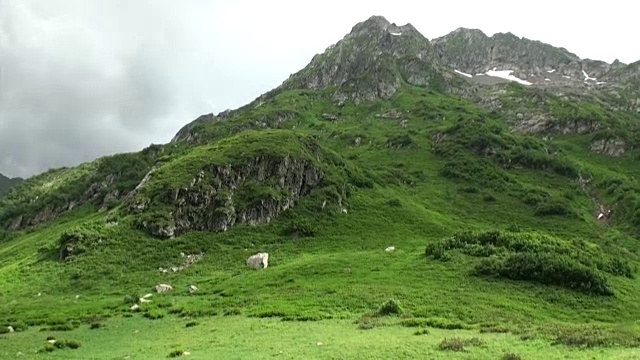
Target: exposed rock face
[(219, 197), (258, 261), (372, 62), (613, 147), (472, 52)]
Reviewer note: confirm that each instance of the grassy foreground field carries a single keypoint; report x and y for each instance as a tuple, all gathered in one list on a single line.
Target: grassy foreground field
[(235, 337)]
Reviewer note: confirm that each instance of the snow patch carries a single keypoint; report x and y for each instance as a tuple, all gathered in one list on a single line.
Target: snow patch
[(395, 33), (506, 74), (601, 82), (547, 79), (464, 74), (551, 71), (586, 76), (566, 77)]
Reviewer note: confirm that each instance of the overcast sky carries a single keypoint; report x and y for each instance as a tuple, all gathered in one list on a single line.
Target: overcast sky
[(82, 79)]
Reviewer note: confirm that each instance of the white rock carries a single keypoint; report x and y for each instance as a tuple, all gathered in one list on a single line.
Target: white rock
[(135, 307), (192, 289), (143, 300), (10, 328), (319, 344), (163, 288), (147, 296), (390, 249), (52, 341), (258, 261)]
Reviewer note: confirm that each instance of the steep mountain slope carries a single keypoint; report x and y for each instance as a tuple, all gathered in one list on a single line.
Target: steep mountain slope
[(7, 183), (374, 173)]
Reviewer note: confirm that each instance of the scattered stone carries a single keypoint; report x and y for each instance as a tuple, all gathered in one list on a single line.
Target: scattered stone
[(10, 329), (319, 344), (258, 261), (52, 341), (344, 211), (143, 300), (19, 353), (181, 254), (186, 353), (192, 289), (328, 116), (147, 296), (391, 114), (163, 288), (77, 297), (135, 307), (390, 249), (404, 123), (357, 141)]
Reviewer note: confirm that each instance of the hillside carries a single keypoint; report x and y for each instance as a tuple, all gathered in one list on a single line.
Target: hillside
[(7, 183), (394, 197)]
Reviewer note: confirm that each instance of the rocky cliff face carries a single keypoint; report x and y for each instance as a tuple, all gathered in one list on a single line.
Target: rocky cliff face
[(372, 62), (219, 197), (472, 52)]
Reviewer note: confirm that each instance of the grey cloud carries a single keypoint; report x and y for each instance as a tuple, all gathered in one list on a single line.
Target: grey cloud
[(81, 79)]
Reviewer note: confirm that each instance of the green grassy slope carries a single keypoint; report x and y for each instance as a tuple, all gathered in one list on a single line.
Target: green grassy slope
[(443, 167)]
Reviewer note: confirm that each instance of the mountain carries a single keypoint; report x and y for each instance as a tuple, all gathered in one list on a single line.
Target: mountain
[(389, 190), (6, 183)]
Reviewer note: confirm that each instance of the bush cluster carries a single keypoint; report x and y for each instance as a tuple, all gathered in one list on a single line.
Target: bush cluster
[(535, 257)]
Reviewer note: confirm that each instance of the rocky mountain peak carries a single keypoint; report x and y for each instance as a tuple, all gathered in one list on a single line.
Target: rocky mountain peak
[(372, 62), (373, 24)]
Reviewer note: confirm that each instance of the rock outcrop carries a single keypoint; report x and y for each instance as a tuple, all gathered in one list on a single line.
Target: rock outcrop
[(372, 62), (472, 52), (613, 147), (253, 192)]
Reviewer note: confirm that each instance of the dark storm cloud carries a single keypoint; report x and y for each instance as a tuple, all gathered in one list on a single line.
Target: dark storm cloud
[(81, 79)]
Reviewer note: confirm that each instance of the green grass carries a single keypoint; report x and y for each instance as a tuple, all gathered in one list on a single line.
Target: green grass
[(450, 169), (240, 337)]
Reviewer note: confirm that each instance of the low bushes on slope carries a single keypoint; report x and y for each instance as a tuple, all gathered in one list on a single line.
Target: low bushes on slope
[(535, 257)]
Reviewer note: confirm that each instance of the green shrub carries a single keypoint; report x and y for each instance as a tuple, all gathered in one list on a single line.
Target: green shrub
[(535, 257), (77, 241), (459, 344), (548, 269), (62, 327), (511, 356), (175, 353), (154, 314), (421, 332), (391, 307), (555, 207), (394, 202), (300, 228)]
